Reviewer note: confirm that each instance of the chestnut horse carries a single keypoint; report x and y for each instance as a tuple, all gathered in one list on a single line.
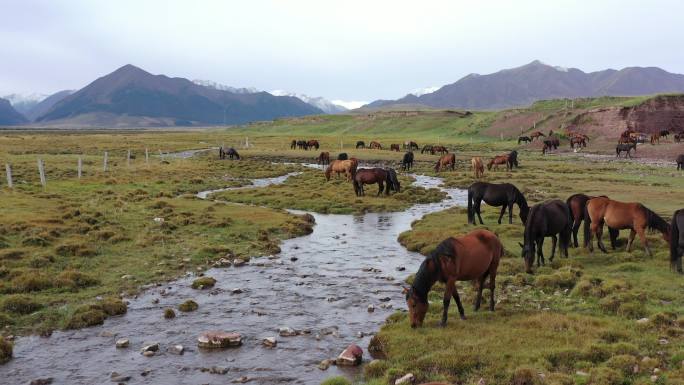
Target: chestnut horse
[(394, 147), (620, 216), (576, 204), (445, 161), (655, 138), (386, 180), (677, 241), (478, 167), (548, 219), (375, 145), (441, 149), (474, 256), (537, 135), (497, 160), (313, 143), (348, 167), (579, 141), (324, 158)]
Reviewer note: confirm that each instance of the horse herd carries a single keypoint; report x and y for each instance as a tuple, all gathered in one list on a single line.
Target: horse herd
[(552, 142), (475, 256)]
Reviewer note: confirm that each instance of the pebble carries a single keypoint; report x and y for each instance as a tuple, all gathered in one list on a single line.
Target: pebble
[(371, 308), (270, 342), (642, 321), (351, 356), (237, 291), (42, 381), (241, 380), (401, 268), (177, 349), (218, 339), (238, 262), (325, 364), (654, 378), (293, 259), (116, 377), (287, 332), (663, 341), (122, 343), (408, 378), (148, 354), (127, 276), (155, 301)]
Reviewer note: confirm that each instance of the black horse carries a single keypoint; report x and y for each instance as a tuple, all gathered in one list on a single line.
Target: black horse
[(677, 240), (513, 159), (524, 139), (625, 147), (407, 162), (427, 148), (231, 153), (548, 219), (504, 194), (293, 144), (342, 156), (302, 145), (360, 144), (393, 180), (222, 154), (680, 162)]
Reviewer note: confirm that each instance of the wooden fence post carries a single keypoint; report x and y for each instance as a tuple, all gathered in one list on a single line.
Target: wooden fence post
[(80, 167), (8, 171), (147, 156), (41, 171), (104, 166), (128, 158)]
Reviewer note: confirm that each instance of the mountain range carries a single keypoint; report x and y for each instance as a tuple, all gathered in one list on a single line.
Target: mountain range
[(535, 81)]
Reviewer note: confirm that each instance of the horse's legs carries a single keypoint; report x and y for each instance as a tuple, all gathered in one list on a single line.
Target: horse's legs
[(540, 252), (380, 188), (554, 241), (575, 229), (448, 292), (461, 311), (477, 209), (503, 211), (480, 287), (632, 233), (644, 241), (510, 213), (599, 237)]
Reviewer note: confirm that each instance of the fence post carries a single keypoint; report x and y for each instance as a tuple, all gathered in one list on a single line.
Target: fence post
[(161, 155), (41, 171), (8, 171), (80, 167), (128, 158), (147, 156), (104, 167)]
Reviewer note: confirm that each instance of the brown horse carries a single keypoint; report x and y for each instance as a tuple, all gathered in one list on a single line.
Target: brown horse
[(441, 149), (478, 167), (473, 256), (348, 167), (313, 143), (537, 135), (551, 143), (620, 216), (324, 158), (497, 160), (394, 147), (655, 138), (446, 161), (579, 141), (375, 145), (385, 178)]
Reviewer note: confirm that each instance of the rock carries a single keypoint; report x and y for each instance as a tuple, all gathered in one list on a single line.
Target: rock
[(116, 377), (145, 372), (294, 259), (287, 332), (401, 268), (150, 348), (169, 313), (663, 341), (581, 373), (223, 262), (42, 381), (218, 370), (237, 291), (351, 356), (385, 299), (371, 308), (177, 349), (219, 339), (654, 378), (241, 380), (148, 354), (325, 364), (106, 334), (155, 301), (409, 378), (270, 342), (642, 321), (122, 343), (127, 276), (238, 262)]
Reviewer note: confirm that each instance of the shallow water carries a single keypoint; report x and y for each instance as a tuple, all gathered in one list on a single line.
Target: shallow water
[(325, 288)]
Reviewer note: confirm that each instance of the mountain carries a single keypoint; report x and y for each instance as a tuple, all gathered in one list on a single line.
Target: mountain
[(319, 102), (24, 103), (8, 115), (46, 104), (223, 87), (131, 96), (524, 85)]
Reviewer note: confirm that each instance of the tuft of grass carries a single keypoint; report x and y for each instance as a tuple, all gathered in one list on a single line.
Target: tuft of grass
[(6, 348), (338, 380), (20, 304), (203, 283), (188, 306), (169, 313)]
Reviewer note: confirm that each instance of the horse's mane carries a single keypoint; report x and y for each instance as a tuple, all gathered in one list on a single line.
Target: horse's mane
[(655, 221), (520, 200), (424, 278)]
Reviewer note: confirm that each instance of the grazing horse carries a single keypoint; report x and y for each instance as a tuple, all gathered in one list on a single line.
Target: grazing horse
[(302, 145), (627, 140), (394, 147), (360, 144), (324, 158), (680, 162), (407, 162), (393, 180), (342, 156), (526, 139), (504, 194), (537, 135), (341, 166), (551, 143), (678, 137), (441, 149), (293, 144), (222, 155), (579, 141), (231, 153), (513, 159), (548, 219), (497, 160), (677, 241), (664, 133), (313, 143), (446, 161), (620, 216), (372, 176), (478, 167), (427, 148), (625, 147), (655, 138), (411, 146), (576, 204), (375, 145), (474, 256)]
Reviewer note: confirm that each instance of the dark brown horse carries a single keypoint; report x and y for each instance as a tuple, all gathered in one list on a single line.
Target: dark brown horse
[(427, 148), (474, 256), (525, 139), (513, 159), (293, 144), (537, 135), (548, 219), (411, 145), (677, 241), (680, 162), (394, 147), (324, 158), (576, 204), (407, 161), (551, 143), (678, 137), (342, 156), (445, 161), (625, 147), (384, 178), (504, 194), (439, 149), (498, 160), (620, 216), (664, 133), (360, 144), (313, 143), (231, 153), (375, 145)]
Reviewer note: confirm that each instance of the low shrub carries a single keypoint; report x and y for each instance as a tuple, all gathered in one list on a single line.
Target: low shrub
[(20, 304)]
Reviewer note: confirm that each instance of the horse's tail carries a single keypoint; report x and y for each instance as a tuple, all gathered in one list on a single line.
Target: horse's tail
[(471, 214), (675, 257), (356, 186)]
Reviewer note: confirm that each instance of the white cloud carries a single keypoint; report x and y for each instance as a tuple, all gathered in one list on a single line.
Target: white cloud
[(350, 104)]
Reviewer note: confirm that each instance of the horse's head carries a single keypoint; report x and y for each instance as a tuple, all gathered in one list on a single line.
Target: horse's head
[(528, 257), (417, 307), (489, 165)]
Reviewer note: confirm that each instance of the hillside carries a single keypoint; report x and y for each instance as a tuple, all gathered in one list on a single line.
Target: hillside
[(535, 81), (8, 115), (131, 96)]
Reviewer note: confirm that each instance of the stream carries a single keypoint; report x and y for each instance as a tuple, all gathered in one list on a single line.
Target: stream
[(321, 284)]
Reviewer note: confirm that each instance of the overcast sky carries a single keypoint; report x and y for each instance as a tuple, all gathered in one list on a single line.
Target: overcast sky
[(342, 50)]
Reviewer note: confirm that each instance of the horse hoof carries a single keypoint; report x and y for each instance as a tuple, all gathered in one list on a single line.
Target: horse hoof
[(442, 324), (463, 317)]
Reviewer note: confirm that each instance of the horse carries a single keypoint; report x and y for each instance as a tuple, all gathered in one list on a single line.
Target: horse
[(504, 194), (360, 144), (342, 156), (446, 161), (341, 166), (302, 145), (372, 176), (441, 149), (620, 216), (655, 138), (222, 154), (576, 140), (576, 204), (537, 135), (627, 140), (513, 159), (410, 145), (548, 219), (394, 147), (526, 139), (375, 145), (478, 167), (393, 180), (497, 160), (231, 153), (551, 143), (664, 133), (473, 256), (678, 137), (427, 148), (324, 158), (313, 143), (677, 241), (626, 147), (407, 162), (293, 144), (680, 162)]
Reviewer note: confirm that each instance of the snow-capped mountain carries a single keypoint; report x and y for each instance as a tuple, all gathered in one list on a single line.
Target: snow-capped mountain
[(24, 103), (223, 87), (324, 104)]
